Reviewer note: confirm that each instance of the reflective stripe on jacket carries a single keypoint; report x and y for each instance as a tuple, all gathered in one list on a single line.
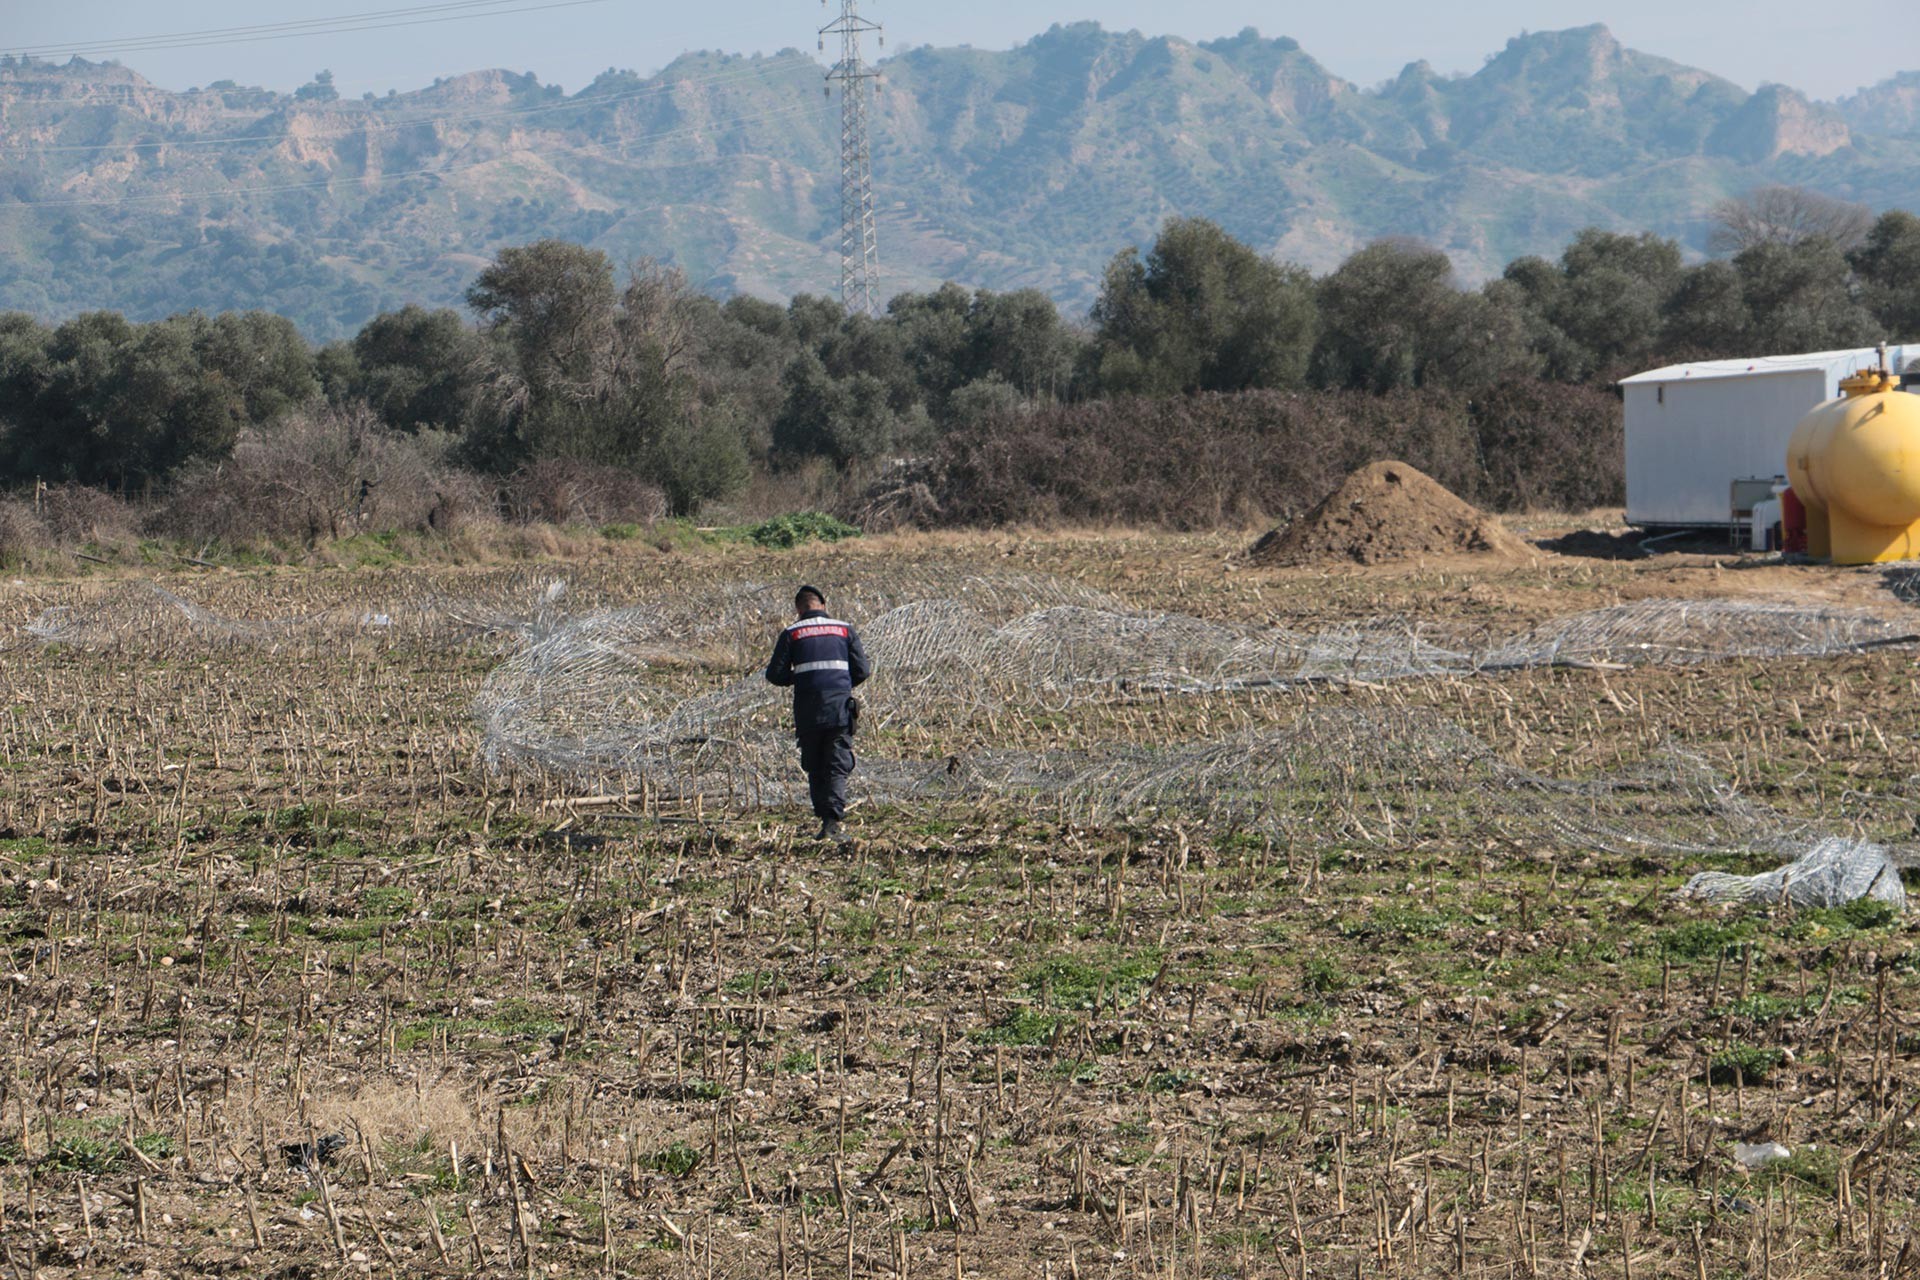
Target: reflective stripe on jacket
[(821, 659)]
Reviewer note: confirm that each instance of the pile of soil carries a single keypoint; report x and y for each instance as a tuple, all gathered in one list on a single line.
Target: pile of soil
[(1383, 512)]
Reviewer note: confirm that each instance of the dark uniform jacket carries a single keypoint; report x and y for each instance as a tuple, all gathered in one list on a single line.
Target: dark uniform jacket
[(821, 658)]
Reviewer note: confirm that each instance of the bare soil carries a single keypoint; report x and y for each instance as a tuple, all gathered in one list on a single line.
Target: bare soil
[(252, 895), (1386, 511)]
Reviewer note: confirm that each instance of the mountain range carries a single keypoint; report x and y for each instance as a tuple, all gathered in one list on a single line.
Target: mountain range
[(1026, 167)]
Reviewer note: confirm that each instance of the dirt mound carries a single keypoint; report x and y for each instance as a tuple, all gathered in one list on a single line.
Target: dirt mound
[(1386, 511)]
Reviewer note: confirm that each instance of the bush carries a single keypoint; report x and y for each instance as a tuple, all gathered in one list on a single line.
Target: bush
[(901, 497), (1548, 446), (74, 513), (564, 491), (802, 526), (323, 473), (1204, 461), (1190, 462), (460, 499), (21, 532)]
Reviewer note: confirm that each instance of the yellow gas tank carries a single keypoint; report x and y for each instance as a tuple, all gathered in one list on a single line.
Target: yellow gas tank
[(1855, 464)]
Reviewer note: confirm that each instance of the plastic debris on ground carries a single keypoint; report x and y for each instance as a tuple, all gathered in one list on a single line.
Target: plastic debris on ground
[(1758, 1155)]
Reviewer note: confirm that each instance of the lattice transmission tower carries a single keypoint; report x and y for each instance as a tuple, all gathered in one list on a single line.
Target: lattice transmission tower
[(859, 246)]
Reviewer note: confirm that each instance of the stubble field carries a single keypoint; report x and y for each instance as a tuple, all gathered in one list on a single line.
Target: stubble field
[(260, 891)]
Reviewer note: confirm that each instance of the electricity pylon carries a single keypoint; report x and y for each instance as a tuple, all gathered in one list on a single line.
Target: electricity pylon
[(859, 246)]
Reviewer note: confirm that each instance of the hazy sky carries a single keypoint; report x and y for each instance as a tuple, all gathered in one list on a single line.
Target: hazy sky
[(1826, 52)]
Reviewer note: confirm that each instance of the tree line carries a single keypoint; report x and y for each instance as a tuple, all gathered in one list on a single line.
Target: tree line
[(561, 359)]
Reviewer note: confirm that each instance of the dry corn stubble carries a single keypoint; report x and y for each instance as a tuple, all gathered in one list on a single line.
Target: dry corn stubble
[(258, 892)]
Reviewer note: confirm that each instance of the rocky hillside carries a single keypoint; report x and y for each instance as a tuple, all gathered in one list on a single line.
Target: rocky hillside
[(1890, 107), (1023, 167)]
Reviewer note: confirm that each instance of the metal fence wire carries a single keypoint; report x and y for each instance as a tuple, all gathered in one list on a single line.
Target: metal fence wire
[(621, 701)]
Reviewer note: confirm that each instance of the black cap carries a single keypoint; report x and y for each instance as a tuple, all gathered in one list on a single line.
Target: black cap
[(815, 592)]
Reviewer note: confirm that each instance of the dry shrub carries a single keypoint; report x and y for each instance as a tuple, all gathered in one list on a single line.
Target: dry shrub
[(535, 541), (75, 513), (461, 500), (810, 484), (325, 473), (563, 491), (901, 496), (1190, 462), (1549, 446), (1200, 462), (22, 533)]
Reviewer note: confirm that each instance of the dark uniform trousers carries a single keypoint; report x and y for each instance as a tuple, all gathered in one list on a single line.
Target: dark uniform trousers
[(822, 660), (827, 756)]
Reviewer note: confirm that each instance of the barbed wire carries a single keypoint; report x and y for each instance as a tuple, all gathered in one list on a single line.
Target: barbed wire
[(626, 702), (598, 702)]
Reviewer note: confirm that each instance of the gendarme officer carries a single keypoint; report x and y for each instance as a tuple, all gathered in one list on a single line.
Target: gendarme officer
[(821, 659)]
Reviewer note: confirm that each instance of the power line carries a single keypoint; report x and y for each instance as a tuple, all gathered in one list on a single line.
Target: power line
[(859, 244), (410, 10), (388, 122), (376, 20)]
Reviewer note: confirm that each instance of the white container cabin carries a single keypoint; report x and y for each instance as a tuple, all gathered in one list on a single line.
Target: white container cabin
[(1707, 440)]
